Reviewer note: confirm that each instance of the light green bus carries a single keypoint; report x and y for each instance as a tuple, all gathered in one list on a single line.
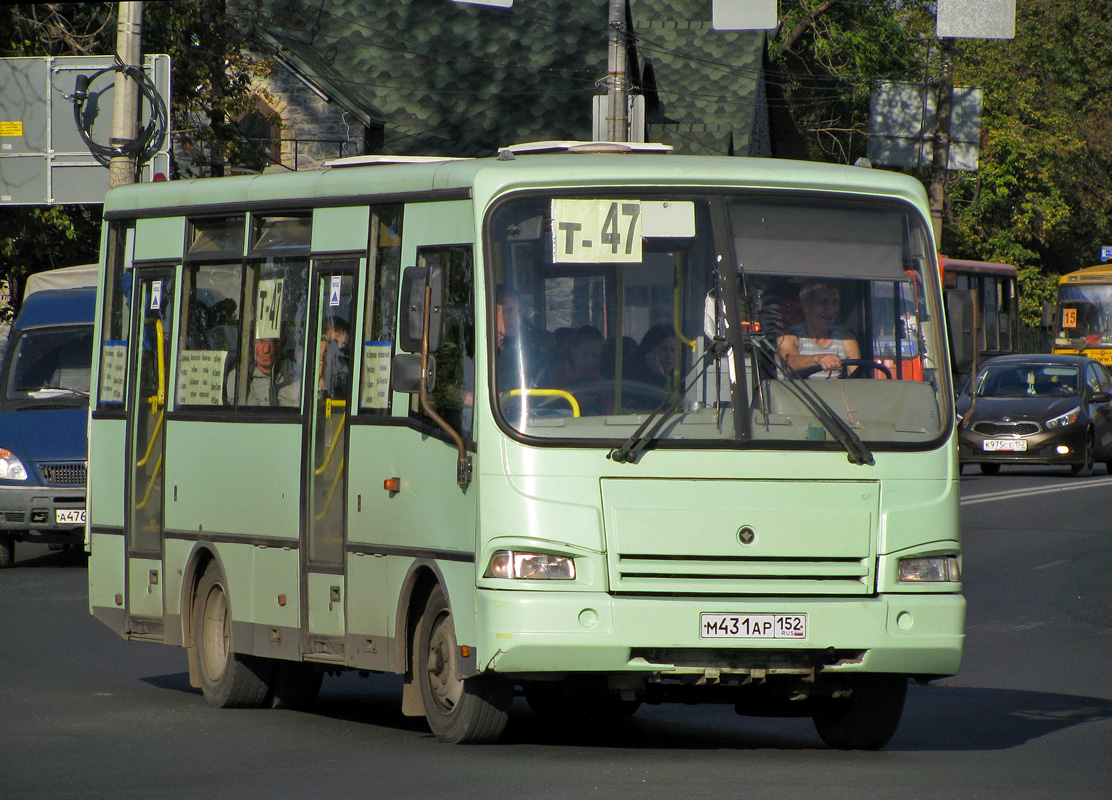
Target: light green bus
[(541, 426)]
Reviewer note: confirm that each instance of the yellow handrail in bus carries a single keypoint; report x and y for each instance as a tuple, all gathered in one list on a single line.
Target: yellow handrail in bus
[(154, 434), (150, 483), (160, 332), (546, 393), (332, 448), (331, 492)]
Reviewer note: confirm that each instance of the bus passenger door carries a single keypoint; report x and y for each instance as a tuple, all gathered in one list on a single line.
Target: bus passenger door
[(154, 309), (325, 454)]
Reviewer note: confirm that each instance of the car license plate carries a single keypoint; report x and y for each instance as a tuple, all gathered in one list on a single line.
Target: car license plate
[(753, 626), (69, 516), (1005, 445)]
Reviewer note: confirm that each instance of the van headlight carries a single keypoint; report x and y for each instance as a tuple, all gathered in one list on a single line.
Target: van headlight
[(530, 566), (11, 468), (929, 569)]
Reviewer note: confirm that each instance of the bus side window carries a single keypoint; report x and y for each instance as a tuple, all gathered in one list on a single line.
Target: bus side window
[(383, 270), (211, 321), (453, 396)]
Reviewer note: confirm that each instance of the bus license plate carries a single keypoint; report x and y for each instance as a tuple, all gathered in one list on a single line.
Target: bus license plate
[(753, 626), (1006, 445), (69, 516)]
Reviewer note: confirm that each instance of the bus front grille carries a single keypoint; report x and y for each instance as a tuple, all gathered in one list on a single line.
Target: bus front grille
[(687, 575)]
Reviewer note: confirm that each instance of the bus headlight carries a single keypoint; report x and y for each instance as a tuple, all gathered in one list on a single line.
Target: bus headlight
[(530, 566), (11, 468), (929, 569)]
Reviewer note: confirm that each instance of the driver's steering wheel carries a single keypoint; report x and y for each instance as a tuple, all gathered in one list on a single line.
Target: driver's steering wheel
[(807, 372)]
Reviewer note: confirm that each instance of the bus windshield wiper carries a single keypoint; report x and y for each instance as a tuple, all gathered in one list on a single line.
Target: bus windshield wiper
[(858, 452), (631, 448)]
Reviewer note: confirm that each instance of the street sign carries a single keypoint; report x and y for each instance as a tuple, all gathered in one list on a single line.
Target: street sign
[(975, 19), (1105, 253), (43, 160)]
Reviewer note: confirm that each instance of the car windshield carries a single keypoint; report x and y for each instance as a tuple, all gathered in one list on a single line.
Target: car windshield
[(1028, 380), (50, 366), (608, 309)]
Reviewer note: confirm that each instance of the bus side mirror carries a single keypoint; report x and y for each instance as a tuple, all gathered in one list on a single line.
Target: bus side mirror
[(411, 327), (959, 315), (406, 374), (1047, 316)]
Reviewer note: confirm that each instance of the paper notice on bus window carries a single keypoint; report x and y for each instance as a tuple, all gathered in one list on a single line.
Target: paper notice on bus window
[(374, 390), (113, 372), (201, 377), (596, 231), (268, 309)]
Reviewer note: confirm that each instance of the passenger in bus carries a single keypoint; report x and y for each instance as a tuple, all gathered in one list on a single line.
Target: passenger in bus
[(335, 358), (656, 356), (580, 364), (273, 380), (519, 357), (818, 341)]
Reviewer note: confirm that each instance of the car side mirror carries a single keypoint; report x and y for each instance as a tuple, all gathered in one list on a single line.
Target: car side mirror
[(1100, 397)]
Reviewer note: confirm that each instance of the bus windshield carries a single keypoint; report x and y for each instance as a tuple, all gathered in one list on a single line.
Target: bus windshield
[(1085, 314), (607, 310)]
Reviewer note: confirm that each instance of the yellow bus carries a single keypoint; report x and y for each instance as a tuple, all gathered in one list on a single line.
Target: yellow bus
[(1083, 319), (529, 425)]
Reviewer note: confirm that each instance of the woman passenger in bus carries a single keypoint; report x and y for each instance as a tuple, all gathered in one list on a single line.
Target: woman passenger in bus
[(818, 341)]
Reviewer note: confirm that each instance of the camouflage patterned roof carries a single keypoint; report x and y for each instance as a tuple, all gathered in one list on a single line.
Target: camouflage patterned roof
[(456, 79)]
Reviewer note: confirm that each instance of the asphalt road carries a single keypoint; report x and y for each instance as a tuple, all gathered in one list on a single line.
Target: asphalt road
[(84, 714)]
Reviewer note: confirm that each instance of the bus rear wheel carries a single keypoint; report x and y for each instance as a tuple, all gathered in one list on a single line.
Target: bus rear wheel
[(228, 679), (867, 714), (459, 710)]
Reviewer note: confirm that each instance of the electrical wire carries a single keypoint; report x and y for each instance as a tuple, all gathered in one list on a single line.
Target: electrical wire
[(143, 147)]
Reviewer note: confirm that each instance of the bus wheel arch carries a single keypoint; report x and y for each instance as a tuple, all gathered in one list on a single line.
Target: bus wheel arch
[(228, 679), (459, 710), (418, 584)]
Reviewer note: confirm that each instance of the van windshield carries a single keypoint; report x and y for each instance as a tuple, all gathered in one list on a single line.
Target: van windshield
[(608, 308), (49, 366)]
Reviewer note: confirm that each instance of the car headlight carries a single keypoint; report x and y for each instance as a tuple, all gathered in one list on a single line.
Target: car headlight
[(929, 569), (1062, 420), (11, 468), (530, 566)]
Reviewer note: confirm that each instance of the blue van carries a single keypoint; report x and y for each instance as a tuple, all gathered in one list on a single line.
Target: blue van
[(44, 400)]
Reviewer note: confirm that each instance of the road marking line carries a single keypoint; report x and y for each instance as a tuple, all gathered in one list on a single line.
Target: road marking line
[(1014, 493)]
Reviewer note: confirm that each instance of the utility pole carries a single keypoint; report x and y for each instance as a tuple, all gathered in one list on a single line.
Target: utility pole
[(125, 111), (617, 94), (941, 154)]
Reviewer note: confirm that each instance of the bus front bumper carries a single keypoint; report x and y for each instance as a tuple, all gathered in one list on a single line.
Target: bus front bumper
[(531, 632)]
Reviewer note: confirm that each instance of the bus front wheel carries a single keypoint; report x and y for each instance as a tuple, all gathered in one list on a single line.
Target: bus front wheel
[(865, 715), (458, 710), (228, 679)]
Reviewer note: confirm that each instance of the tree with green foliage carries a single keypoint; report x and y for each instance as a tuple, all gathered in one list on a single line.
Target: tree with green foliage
[(1042, 196), (215, 68)]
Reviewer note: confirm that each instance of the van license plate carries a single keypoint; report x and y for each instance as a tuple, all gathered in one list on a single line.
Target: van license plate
[(753, 626), (69, 516)]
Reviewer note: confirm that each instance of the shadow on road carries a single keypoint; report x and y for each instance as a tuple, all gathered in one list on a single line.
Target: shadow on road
[(936, 718)]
